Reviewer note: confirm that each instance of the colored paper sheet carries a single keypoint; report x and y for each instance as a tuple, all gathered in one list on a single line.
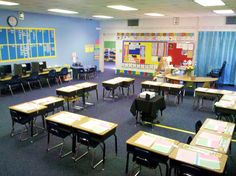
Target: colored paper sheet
[(145, 140), (186, 156), (66, 118), (209, 161), (96, 126), (162, 146)]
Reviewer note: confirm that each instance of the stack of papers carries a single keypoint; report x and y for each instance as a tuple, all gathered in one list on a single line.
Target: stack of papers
[(96, 126)]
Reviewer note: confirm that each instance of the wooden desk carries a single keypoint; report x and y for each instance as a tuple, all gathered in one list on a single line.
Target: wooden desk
[(29, 110), (98, 129), (218, 126), (186, 78), (113, 84), (160, 147), (160, 87), (211, 163), (226, 105), (71, 93), (211, 140)]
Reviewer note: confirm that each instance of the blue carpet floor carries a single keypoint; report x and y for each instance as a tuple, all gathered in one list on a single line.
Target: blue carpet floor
[(26, 159)]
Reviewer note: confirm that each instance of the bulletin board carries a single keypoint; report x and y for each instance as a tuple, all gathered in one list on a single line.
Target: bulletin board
[(27, 43), (144, 52)]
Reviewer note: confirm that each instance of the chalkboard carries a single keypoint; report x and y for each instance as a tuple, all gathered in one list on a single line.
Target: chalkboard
[(27, 43)]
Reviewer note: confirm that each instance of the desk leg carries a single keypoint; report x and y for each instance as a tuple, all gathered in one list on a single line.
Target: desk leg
[(97, 93), (115, 143), (68, 105), (103, 92), (32, 128), (73, 143), (104, 152), (133, 88), (182, 95), (113, 94), (83, 99), (127, 163)]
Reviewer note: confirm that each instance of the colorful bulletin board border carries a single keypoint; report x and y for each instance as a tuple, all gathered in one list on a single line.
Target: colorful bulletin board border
[(23, 43), (156, 36), (132, 72)]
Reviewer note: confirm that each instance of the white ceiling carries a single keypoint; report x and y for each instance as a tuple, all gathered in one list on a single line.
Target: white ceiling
[(88, 8)]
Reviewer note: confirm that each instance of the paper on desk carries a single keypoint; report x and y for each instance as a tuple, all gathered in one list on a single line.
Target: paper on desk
[(186, 156), (96, 126), (209, 140), (216, 125), (65, 118), (226, 104), (201, 89), (44, 100), (162, 146), (145, 140), (27, 107), (208, 161)]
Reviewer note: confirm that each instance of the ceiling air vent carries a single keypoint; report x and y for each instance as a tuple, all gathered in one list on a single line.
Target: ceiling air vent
[(133, 22), (230, 20)]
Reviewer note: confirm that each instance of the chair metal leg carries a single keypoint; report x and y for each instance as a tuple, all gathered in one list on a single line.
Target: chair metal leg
[(77, 158), (29, 86), (22, 87), (101, 161), (40, 84), (10, 90), (48, 83)]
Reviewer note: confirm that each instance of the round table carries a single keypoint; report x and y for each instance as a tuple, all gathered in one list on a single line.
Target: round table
[(185, 78)]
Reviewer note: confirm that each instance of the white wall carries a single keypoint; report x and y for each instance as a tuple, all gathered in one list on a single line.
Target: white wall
[(110, 28)]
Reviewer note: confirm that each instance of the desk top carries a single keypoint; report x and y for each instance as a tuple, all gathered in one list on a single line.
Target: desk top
[(211, 140), (69, 89), (219, 126), (86, 84), (214, 91), (28, 107), (95, 126), (48, 100), (227, 102), (154, 143), (189, 79), (65, 118), (202, 158), (118, 80), (151, 83)]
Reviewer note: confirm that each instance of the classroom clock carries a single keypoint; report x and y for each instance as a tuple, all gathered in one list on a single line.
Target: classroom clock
[(12, 21)]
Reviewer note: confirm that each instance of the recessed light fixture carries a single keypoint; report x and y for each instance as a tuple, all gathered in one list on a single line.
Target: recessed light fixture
[(154, 14), (229, 11), (62, 11), (7, 3), (210, 2), (102, 16), (122, 7)]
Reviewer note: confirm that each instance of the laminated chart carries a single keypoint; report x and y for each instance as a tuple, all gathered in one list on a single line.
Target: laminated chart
[(27, 43)]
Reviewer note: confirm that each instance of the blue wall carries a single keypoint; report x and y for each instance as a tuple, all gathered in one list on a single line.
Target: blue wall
[(72, 34)]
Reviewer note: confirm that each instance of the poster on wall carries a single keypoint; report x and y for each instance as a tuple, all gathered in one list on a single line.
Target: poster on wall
[(97, 50)]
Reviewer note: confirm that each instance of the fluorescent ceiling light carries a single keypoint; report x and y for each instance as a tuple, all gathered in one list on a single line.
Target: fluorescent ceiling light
[(102, 16), (7, 3), (210, 2), (122, 7), (154, 14), (223, 11), (62, 11)]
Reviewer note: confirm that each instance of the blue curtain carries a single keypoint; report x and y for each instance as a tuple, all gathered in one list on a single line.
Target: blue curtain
[(213, 49)]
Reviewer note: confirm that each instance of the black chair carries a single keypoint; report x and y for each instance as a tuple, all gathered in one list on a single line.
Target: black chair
[(189, 140), (145, 158), (91, 72), (17, 118), (82, 73), (63, 73), (188, 170), (59, 131), (198, 125), (34, 78), (52, 76), (15, 82), (85, 138), (216, 73), (126, 85)]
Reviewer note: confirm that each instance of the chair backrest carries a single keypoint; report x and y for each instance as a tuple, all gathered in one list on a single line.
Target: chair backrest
[(14, 115), (81, 70), (198, 125), (86, 139), (64, 71), (52, 73), (222, 68), (188, 170), (189, 140), (57, 129), (34, 76), (15, 79), (143, 157)]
